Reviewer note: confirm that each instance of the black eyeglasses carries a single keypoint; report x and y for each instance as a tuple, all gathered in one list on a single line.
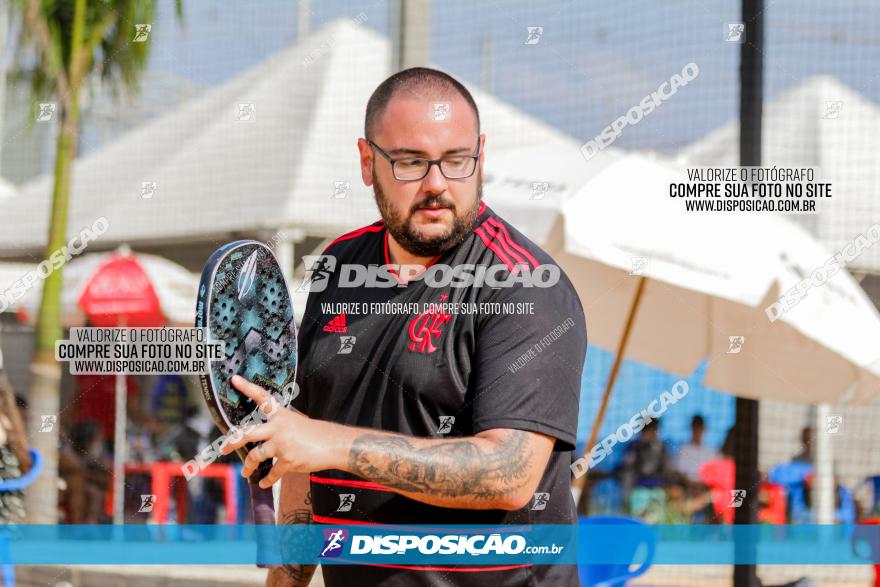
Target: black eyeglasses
[(416, 168)]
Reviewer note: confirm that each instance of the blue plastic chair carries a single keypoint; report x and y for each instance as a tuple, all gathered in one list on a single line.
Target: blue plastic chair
[(846, 513), (7, 569), (242, 495), (790, 475), (874, 482), (605, 497), (616, 575), (801, 514)]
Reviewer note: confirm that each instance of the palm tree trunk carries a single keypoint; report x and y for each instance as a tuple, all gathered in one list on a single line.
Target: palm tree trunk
[(45, 390)]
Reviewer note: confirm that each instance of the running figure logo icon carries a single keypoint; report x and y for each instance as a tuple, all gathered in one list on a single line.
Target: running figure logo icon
[(346, 345), (833, 424), (319, 267), (737, 497), (47, 422), (346, 500), (541, 501), (333, 543), (147, 503), (535, 33), (446, 424), (736, 344), (45, 111)]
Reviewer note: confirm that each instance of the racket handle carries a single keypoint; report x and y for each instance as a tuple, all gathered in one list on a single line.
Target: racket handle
[(264, 515), (264, 504)]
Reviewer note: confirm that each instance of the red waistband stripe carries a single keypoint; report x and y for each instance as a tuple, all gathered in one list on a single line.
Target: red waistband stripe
[(349, 483), (340, 521)]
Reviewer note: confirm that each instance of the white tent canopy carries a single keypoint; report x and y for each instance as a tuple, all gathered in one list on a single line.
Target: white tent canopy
[(215, 174), (7, 189), (823, 124)]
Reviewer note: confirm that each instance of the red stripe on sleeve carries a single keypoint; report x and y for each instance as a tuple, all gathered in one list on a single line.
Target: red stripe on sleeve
[(513, 243), (494, 247)]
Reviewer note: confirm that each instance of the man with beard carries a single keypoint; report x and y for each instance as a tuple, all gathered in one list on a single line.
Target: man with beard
[(436, 416)]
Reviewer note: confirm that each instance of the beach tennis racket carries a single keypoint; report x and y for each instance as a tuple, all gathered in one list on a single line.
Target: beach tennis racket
[(244, 302)]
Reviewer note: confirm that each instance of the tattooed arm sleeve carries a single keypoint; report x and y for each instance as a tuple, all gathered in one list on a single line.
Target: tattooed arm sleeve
[(496, 469), (295, 508)]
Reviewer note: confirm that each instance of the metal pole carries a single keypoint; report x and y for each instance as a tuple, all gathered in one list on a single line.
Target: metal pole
[(486, 79), (302, 18), (119, 449), (414, 34), (4, 32), (823, 457), (746, 426)]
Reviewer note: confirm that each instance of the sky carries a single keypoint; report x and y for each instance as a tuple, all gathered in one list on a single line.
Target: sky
[(594, 61)]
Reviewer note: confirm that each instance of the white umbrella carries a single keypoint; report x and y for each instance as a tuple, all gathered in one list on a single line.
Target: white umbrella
[(669, 288), (529, 185), (707, 277), (175, 287)]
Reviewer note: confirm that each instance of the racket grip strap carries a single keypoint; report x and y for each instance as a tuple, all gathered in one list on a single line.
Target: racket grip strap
[(264, 515)]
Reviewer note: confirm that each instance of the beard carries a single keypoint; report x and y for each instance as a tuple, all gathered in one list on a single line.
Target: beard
[(407, 236)]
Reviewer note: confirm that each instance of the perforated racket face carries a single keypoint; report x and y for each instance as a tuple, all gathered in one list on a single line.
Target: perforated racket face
[(244, 302)]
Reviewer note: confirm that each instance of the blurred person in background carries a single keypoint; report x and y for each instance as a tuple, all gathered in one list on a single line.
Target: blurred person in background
[(806, 453), (645, 463), (85, 468), (175, 417), (692, 455), (14, 458), (96, 402)]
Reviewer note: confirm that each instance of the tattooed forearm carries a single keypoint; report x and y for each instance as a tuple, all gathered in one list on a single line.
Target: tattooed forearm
[(298, 516), (299, 575), (296, 575), (472, 468)]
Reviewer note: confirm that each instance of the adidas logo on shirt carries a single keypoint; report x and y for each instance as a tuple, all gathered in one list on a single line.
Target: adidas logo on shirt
[(336, 324)]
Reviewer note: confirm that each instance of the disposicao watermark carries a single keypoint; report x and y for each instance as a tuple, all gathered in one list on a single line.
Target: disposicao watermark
[(646, 106), (820, 275), (629, 429), (211, 453), (56, 261), (439, 275)]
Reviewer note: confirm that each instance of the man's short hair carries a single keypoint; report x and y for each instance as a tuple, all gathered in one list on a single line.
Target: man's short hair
[(415, 81), (698, 420)]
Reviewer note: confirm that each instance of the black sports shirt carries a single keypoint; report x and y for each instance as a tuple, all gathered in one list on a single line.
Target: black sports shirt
[(494, 357)]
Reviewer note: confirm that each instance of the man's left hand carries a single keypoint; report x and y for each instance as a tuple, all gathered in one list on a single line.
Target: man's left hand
[(300, 443)]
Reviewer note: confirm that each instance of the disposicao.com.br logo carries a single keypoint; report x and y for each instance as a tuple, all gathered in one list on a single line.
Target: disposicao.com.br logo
[(448, 544)]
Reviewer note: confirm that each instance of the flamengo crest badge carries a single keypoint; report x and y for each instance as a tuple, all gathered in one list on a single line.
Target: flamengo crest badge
[(425, 329)]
